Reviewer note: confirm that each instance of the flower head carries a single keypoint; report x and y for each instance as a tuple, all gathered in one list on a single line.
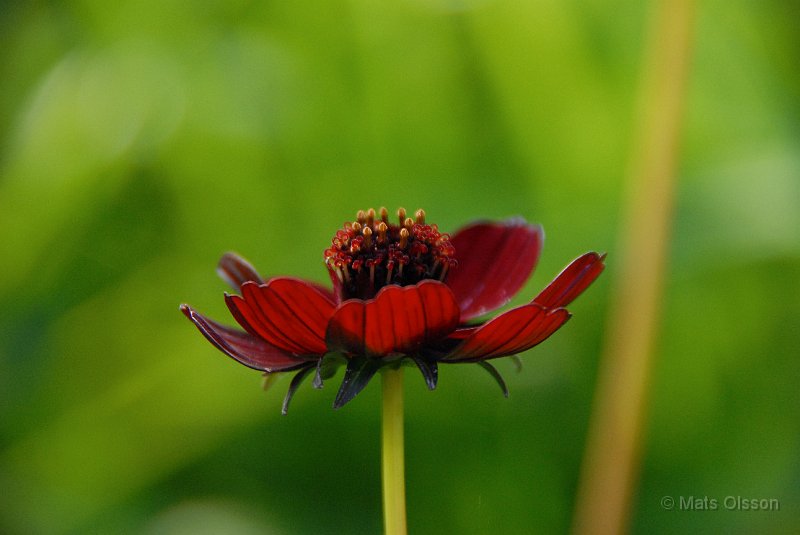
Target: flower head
[(402, 292), (368, 254)]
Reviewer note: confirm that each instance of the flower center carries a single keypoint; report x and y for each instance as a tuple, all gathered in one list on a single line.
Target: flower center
[(371, 252)]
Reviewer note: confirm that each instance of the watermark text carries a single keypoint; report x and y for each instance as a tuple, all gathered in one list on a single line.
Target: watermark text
[(724, 503)]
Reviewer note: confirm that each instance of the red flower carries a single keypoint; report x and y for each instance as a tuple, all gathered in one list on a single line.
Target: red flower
[(401, 292)]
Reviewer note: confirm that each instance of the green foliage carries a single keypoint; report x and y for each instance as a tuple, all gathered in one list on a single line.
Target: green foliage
[(141, 141)]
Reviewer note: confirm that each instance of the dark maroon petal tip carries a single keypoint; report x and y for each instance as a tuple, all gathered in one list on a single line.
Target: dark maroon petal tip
[(235, 270), (399, 320), (494, 261), (572, 281), (243, 347), (509, 333), (289, 313)]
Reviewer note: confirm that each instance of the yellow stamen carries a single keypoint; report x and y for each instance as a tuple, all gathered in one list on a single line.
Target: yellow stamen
[(361, 217), (367, 232), (420, 215), (382, 228), (370, 217), (401, 215), (403, 238), (384, 214)]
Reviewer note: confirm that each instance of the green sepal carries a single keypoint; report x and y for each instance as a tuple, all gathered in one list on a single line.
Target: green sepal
[(296, 381), (496, 374), (317, 383), (357, 375), (429, 370)]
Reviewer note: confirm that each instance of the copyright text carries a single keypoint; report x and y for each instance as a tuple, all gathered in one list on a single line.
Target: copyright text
[(726, 503)]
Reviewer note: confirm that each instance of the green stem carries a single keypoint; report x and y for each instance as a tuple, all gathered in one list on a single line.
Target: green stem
[(394, 486), (611, 467)]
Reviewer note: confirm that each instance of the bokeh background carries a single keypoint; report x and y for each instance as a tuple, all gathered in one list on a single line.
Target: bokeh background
[(140, 141)]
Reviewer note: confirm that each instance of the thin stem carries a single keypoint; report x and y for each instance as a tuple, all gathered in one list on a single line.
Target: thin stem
[(611, 463), (394, 486)]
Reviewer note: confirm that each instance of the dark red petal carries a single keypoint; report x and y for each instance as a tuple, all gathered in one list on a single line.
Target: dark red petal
[(288, 313), (399, 320), (494, 261), (461, 333), (571, 282), (235, 270), (509, 333), (329, 294), (245, 348)]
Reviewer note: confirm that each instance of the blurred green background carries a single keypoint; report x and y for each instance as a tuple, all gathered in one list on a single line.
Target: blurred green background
[(139, 142)]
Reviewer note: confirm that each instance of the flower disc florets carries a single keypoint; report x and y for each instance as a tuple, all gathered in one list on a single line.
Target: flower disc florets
[(372, 252)]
